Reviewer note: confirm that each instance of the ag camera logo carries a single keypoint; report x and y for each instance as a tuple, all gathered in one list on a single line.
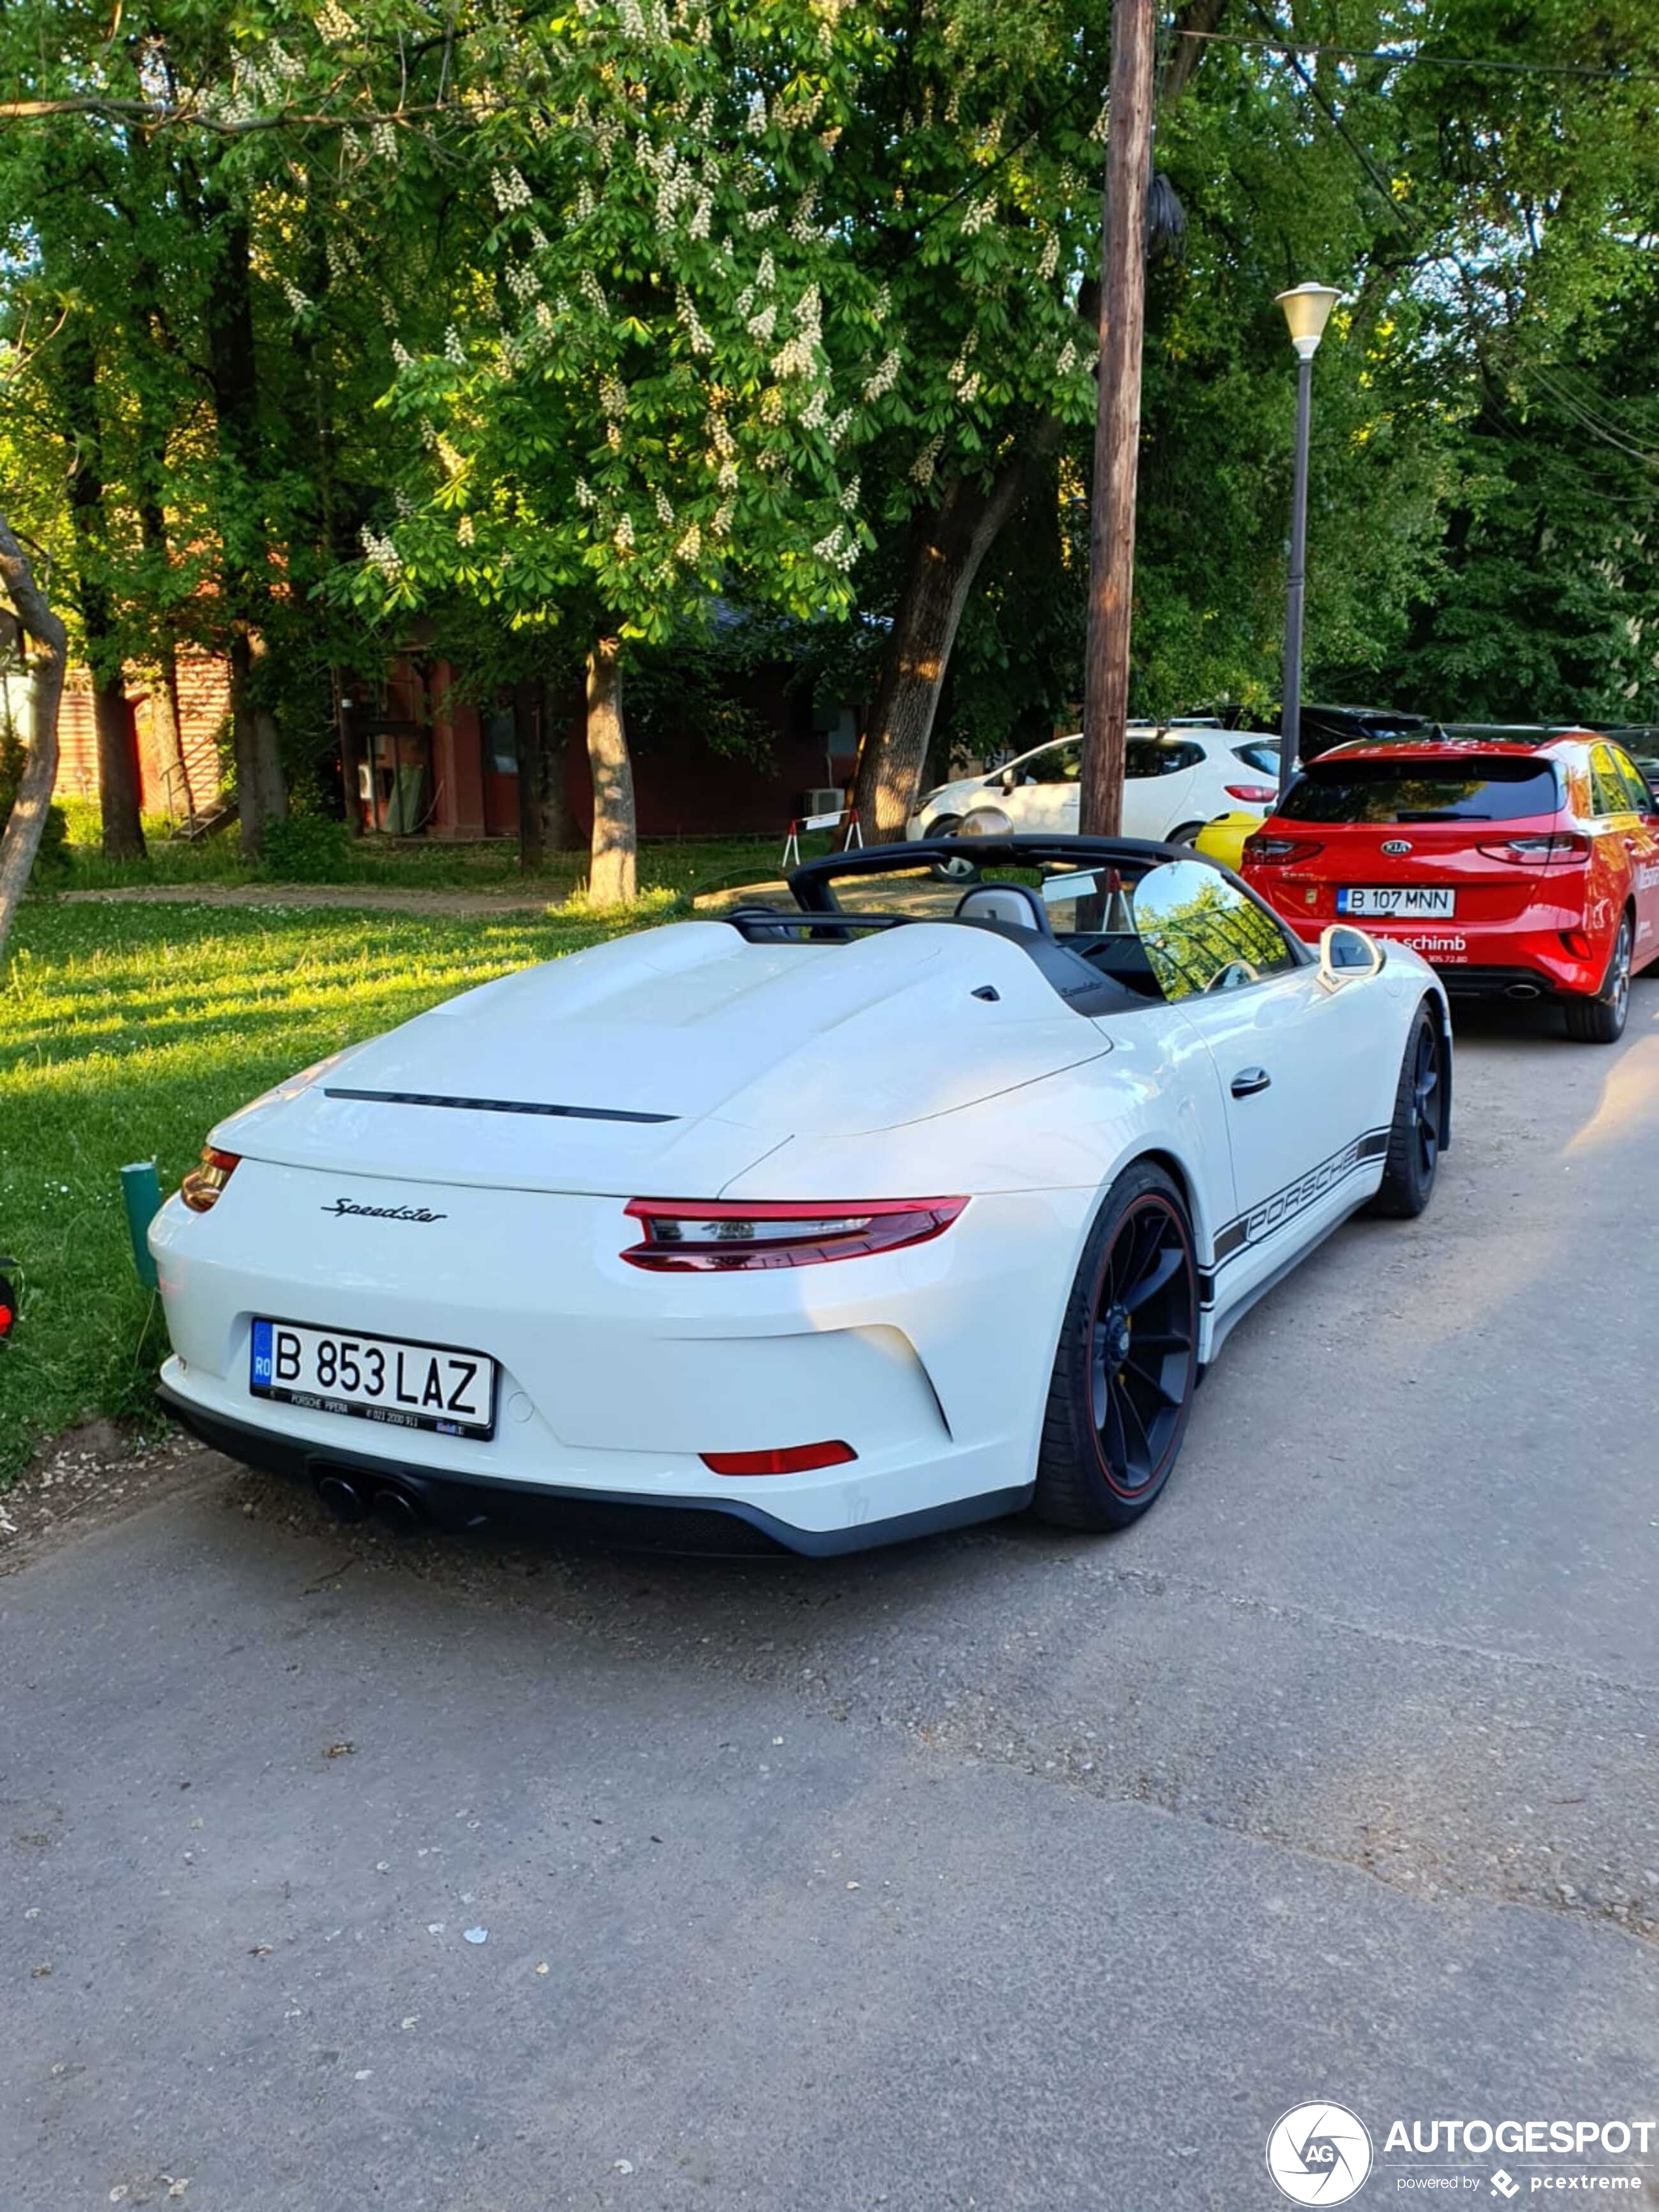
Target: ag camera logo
[(1319, 2154)]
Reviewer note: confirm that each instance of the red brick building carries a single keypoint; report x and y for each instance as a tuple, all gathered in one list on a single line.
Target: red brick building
[(424, 756), (432, 759), (203, 712)]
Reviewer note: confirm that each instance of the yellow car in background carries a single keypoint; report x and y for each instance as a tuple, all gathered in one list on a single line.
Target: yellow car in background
[(1222, 838)]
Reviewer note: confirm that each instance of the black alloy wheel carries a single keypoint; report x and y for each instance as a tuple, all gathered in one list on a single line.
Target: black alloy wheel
[(1425, 1100), (1128, 1363), (1415, 1133), (1600, 1020)]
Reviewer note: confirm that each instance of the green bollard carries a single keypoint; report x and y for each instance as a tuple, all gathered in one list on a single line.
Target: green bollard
[(141, 1187)]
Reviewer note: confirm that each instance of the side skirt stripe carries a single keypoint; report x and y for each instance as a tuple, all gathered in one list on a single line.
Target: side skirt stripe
[(1273, 1213)]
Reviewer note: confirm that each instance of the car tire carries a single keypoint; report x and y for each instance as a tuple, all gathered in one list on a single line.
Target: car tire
[(1113, 1427), (1600, 1020), (954, 870), (1414, 1153), (1188, 834)]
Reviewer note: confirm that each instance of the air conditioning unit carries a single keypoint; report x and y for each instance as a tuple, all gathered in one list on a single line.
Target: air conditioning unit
[(828, 800)]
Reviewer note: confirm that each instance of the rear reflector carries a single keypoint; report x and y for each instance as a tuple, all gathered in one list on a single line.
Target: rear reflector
[(793, 1459), (706, 1236)]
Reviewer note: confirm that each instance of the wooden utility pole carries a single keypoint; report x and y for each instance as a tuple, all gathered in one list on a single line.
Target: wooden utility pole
[(1117, 419)]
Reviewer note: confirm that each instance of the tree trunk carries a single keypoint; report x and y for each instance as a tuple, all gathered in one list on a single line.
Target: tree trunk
[(261, 787), (528, 732), (1117, 420), (948, 545), (542, 714), (120, 787), (119, 794), (352, 754), (166, 733), (28, 819), (612, 876)]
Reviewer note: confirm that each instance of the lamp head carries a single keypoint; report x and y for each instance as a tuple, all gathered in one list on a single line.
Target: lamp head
[(1307, 310)]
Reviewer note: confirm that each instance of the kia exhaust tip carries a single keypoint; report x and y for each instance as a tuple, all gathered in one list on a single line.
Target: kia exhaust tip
[(1522, 991)]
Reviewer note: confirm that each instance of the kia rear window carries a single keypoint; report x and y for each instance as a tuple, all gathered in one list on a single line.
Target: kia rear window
[(1495, 790)]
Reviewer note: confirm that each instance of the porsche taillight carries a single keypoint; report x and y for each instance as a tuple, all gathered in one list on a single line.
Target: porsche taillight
[(201, 1186), (702, 1236)]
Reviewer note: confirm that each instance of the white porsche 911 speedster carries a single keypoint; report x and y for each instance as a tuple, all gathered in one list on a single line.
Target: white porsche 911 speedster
[(810, 1226)]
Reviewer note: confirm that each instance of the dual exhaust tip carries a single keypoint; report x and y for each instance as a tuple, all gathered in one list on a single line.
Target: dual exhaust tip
[(394, 1508)]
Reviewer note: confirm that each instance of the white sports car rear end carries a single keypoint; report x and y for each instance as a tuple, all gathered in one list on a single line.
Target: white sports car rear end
[(809, 1224)]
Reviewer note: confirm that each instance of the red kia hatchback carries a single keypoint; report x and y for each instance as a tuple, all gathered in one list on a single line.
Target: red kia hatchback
[(1520, 866)]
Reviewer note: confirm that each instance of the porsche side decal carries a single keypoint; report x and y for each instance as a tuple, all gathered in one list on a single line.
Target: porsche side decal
[(1296, 1197)]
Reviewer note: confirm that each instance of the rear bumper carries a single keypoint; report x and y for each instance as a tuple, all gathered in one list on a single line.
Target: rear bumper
[(456, 1502), (1518, 961), (931, 1364), (1516, 983)]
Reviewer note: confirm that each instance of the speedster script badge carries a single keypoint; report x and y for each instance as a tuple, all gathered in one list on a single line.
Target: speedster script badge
[(384, 1213)]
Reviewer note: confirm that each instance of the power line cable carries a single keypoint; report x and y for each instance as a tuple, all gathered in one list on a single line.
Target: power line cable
[(1407, 57)]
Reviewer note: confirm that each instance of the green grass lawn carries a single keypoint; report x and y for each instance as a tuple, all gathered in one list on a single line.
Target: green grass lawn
[(126, 1032), (678, 864)]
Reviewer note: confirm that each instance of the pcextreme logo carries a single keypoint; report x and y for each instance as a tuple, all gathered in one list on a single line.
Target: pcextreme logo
[(1319, 2154)]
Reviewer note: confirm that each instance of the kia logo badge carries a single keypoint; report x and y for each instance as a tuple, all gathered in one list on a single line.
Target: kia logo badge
[(1395, 846)]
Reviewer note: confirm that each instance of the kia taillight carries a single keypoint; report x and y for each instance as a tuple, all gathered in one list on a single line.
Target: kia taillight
[(1280, 852), (201, 1187), (1561, 848), (1252, 794), (693, 1236)]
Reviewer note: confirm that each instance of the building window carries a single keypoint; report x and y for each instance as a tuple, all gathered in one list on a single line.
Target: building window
[(500, 741)]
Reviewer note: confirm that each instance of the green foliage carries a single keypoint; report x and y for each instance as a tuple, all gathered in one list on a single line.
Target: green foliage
[(691, 694), (51, 858), (307, 848), (600, 315)]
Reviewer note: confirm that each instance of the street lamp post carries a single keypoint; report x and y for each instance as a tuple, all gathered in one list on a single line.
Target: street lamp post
[(1307, 310)]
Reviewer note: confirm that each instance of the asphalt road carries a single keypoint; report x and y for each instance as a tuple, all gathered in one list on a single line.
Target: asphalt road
[(1007, 1870)]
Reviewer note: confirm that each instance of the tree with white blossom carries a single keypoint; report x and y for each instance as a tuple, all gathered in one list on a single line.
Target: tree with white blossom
[(652, 384)]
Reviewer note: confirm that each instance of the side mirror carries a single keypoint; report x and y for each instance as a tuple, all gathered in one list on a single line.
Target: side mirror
[(1008, 780), (1346, 954)]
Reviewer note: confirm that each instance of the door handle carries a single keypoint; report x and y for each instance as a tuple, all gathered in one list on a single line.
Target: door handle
[(1250, 1080)]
